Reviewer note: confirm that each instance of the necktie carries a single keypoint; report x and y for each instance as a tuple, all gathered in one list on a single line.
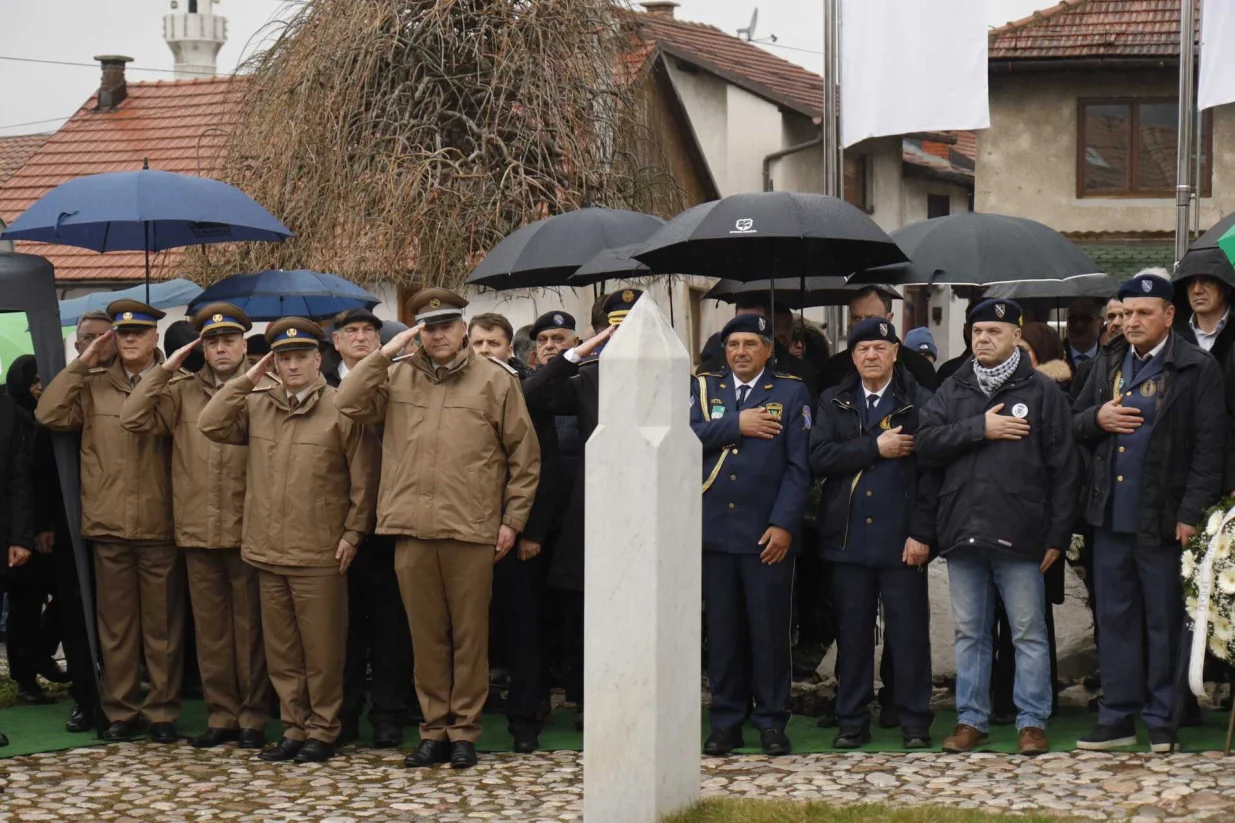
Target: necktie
[(292, 402), (133, 378), (1081, 358), (742, 392), (872, 400)]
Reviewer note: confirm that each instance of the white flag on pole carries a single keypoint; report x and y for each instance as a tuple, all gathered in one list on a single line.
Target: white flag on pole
[(1217, 54), (912, 66)]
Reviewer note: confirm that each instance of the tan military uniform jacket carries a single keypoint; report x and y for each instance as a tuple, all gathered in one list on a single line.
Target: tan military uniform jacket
[(459, 455), (207, 477), (312, 473), (126, 489)]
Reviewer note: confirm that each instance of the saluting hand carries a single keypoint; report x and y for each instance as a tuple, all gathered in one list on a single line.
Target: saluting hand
[(1003, 427), (90, 357), (345, 555), (505, 542), (893, 444), (593, 343), (758, 423), (18, 556), (915, 554), (399, 342), (776, 542), (258, 371), (173, 363), (1115, 418)]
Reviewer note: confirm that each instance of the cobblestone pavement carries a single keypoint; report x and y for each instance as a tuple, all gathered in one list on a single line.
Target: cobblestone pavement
[(146, 782)]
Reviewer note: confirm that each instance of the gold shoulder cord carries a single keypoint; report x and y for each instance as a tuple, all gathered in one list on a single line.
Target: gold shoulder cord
[(703, 407)]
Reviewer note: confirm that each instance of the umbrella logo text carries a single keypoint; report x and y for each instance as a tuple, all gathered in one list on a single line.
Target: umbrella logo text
[(201, 230), (744, 226)]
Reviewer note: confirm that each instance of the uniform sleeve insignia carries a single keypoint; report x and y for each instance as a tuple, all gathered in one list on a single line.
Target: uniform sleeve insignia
[(806, 417), (886, 423), (775, 409), (692, 401), (784, 376), (718, 408)]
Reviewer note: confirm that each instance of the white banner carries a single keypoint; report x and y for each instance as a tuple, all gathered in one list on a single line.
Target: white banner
[(1217, 53), (912, 66)]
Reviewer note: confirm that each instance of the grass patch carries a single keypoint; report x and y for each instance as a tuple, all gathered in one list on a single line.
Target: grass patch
[(775, 811)]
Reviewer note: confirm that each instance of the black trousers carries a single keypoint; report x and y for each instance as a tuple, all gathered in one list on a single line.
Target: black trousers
[(518, 586), (33, 626), (378, 639), (856, 592)]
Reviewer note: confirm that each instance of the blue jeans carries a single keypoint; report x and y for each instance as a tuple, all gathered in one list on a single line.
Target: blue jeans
[(973, 582)]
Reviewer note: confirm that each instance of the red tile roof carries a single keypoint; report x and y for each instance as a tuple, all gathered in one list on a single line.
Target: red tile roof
[(15, 151), (1093, 28), (741, 63), (179, 125)]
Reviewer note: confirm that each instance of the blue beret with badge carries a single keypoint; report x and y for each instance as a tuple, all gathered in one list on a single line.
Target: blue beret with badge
[(873, 329), (552, 320), (1146, 285), (747, 324), (997, 311)]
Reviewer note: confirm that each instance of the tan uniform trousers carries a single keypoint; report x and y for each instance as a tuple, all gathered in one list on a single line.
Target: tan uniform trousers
[(226, 600), (140, 612), (304, 622), (446, 586)]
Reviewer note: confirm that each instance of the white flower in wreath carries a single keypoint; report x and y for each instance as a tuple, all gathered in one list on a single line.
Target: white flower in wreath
[(1215, 523), (1187, 565), (1193, 604), (1218, 648), (1226, 580), (1222, 546), (1223, 630)]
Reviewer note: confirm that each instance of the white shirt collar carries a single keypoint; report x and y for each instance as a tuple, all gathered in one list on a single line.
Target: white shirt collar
[(343, 370), (1206, 339), (1154, 352), (131, 375), (737, 384), (866, 393), (1090, 355), (303, 393)]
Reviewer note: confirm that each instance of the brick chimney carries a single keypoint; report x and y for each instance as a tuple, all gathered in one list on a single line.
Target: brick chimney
[(660, 8), (113, 88)]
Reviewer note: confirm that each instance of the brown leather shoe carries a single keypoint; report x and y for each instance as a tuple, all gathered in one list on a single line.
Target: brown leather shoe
[(1033, 742), (964, 739)]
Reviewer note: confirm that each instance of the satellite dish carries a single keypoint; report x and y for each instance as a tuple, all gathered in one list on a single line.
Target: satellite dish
[(748, 33)]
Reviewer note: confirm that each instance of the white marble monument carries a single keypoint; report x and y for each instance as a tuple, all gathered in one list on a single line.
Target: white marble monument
[(643, 580)]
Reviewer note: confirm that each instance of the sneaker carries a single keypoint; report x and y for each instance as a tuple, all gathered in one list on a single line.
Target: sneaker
[(1163, 740), (1105, 737), (963, 739)]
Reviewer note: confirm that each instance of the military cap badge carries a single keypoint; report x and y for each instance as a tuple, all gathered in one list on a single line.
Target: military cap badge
[(293, 332), (628, 296), (435, 303), (128, 315), (1001, 310), (883, 329)]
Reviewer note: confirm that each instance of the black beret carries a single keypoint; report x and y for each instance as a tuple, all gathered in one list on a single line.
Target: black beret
[(1147, 285), (619, 304), (552, 320), (996, 311), (873, 328), (347, 316), (747, 324)]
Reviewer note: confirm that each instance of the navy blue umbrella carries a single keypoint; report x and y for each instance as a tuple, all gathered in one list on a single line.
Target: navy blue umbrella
[(270, 295), (146, 211)]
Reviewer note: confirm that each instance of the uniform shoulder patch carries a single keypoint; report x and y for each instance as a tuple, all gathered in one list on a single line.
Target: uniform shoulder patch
[(98, 370), (181, 375), (708, 374), (260, 389), (785, 376), (505, 366)]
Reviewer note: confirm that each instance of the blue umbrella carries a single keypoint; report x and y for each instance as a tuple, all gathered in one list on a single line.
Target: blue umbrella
[(176, 292), (270, 295), (146, 211)]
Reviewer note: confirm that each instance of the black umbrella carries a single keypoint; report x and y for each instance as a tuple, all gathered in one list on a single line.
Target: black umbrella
[(757, 235), (610, 264), (547, 252), (1204, 256), (974, 249), (1050, 294), (792, 293)]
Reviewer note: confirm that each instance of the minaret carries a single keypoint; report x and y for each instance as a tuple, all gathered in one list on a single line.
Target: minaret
[(195, 37)]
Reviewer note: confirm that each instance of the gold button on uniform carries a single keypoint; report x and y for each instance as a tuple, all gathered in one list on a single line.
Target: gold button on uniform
[(1129, 394), (731, 505), (868, 521), (870, 494), (1120, 478), (733, 477), (1122, 449)]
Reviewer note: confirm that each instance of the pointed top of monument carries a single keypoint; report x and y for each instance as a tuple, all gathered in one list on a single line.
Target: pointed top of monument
[(645, 332)]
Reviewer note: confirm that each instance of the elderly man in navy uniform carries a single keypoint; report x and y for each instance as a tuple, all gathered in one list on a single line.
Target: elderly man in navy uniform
[(876, 524), (1153, 413), (754, 425)]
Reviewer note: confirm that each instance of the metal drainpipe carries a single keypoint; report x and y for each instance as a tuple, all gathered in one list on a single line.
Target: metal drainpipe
[(777, 155)]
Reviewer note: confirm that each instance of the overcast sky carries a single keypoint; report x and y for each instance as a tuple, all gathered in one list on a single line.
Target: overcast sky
[(74, 31)]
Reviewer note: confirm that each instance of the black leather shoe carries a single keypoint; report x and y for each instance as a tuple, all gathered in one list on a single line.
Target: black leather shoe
[(4, 740), (314, 751), (526, 741), (852, 737), (285, 750), (387, 736), (81, 720), (774, 742), (916, 738), (163, 733), (428, 753), (214, 736), (252, 739), (122, 731), (462, 755), (722, 742), (33, 694), (827, 720), (350, 733)]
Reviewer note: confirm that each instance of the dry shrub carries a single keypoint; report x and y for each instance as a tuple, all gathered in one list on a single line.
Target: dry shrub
[(402, 139)]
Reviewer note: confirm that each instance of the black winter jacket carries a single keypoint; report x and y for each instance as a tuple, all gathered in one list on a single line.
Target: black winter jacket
[(16, 478), (840, 451), (1184, 464), (1018, 496)]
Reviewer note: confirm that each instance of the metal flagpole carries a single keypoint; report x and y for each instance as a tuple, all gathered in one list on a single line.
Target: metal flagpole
[(833, 153), (1187, 108)]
